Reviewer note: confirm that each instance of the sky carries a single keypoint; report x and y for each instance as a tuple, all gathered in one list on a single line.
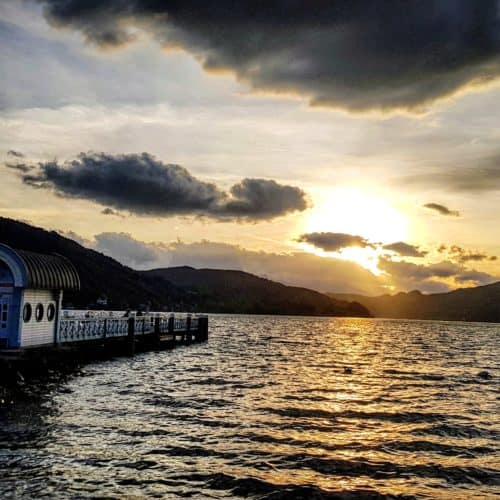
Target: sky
[(342, 146)]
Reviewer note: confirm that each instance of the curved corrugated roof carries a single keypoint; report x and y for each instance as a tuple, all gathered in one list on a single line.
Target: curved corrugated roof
[(52, 272)]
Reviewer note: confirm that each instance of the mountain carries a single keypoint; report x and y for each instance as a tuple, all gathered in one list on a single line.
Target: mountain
[(481, 303), (175, 288), (99, 275), (230, 291)]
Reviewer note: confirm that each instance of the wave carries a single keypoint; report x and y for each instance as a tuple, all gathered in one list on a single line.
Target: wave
[(265, 490), (396, 417)]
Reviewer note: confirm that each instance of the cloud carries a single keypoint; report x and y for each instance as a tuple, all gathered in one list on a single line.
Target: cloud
[(127, 250), (483, 177), (260, 198), (15, 154), (405, 249), (75, 237), (17, 163), (296, 268), (476, 277), (325, 274), (441, 209), (357, 55), (20, 167), (474, 176), (462, 255), (436, 277), (143, 185), (333, 242), (110, 211)]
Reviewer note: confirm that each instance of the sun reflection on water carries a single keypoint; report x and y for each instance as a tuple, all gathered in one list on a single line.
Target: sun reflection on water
[(276, 405)]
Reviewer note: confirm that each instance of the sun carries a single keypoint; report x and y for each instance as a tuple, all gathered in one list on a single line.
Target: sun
[(352, 211)]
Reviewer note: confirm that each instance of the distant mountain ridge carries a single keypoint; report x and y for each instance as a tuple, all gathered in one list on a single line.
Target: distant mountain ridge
[(187, 289), (100, 275), (480, 303), (227, 291)]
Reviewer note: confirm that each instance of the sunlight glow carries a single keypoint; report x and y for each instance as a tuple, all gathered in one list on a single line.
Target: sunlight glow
[(356, 212)]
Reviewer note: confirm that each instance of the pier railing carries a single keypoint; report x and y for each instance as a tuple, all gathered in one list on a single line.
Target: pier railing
[(77, 328)]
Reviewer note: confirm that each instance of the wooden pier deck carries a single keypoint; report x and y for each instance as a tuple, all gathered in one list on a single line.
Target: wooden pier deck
[(81, 339), (186, 328)]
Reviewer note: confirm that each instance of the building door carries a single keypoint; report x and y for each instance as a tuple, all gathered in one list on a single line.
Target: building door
[(5, 304)]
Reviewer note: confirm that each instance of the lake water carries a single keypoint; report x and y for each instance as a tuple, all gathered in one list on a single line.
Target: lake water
[(274, 408)]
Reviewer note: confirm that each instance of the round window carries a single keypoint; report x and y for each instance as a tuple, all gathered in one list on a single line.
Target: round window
[(39, 312), (51, 312), (27, 312)]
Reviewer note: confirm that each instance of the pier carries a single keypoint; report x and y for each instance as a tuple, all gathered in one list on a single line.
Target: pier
[(159, 326), (83, 339), (156, 329), (36, 332)]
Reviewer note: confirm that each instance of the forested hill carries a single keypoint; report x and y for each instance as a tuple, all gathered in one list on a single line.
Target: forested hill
[(99, 274), (167, 289), (465, 304), (228, 291)]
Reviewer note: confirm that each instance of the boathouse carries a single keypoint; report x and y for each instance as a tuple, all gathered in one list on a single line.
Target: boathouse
[(31, 292)]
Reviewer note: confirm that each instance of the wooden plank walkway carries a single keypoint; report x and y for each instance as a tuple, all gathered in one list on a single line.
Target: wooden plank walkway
[(77, 329), (82, 339)]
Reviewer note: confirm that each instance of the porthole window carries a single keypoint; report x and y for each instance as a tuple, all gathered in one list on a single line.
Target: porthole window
[(51, 312), (27, 312), (39, 312)]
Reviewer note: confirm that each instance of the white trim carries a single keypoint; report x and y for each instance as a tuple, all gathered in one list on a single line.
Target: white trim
[(15, 265)]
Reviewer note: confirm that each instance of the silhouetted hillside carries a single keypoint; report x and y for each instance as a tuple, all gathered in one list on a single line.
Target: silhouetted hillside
[(237, 291), (177, 288), (99, 274), (466, 304)]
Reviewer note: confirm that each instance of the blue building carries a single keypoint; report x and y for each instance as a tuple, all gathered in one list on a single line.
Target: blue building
[(31, 292)]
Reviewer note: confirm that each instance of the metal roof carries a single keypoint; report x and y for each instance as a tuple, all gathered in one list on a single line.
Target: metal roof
[(52, 272)]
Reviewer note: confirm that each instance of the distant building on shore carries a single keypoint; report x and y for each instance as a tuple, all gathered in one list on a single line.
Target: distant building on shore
[(102, 301)]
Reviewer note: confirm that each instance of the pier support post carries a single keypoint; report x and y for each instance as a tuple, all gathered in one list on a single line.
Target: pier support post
[(156, 332), (131, 336), (171, 325), (203, 328), (188, 329)]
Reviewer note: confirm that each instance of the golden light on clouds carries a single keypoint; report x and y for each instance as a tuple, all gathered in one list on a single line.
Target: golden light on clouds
[(366, 257), (357, 212)]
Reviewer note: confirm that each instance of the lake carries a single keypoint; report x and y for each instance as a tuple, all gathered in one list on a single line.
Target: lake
[(269, 408)]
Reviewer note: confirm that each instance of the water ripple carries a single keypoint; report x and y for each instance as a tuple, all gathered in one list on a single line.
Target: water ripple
[(269, 408)]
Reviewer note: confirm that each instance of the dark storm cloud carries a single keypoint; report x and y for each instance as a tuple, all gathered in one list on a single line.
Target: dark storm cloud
[(441, 209), (405, 249), (332, 242), (261, 198), (138, 183), (144, 185), (358, 55)]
